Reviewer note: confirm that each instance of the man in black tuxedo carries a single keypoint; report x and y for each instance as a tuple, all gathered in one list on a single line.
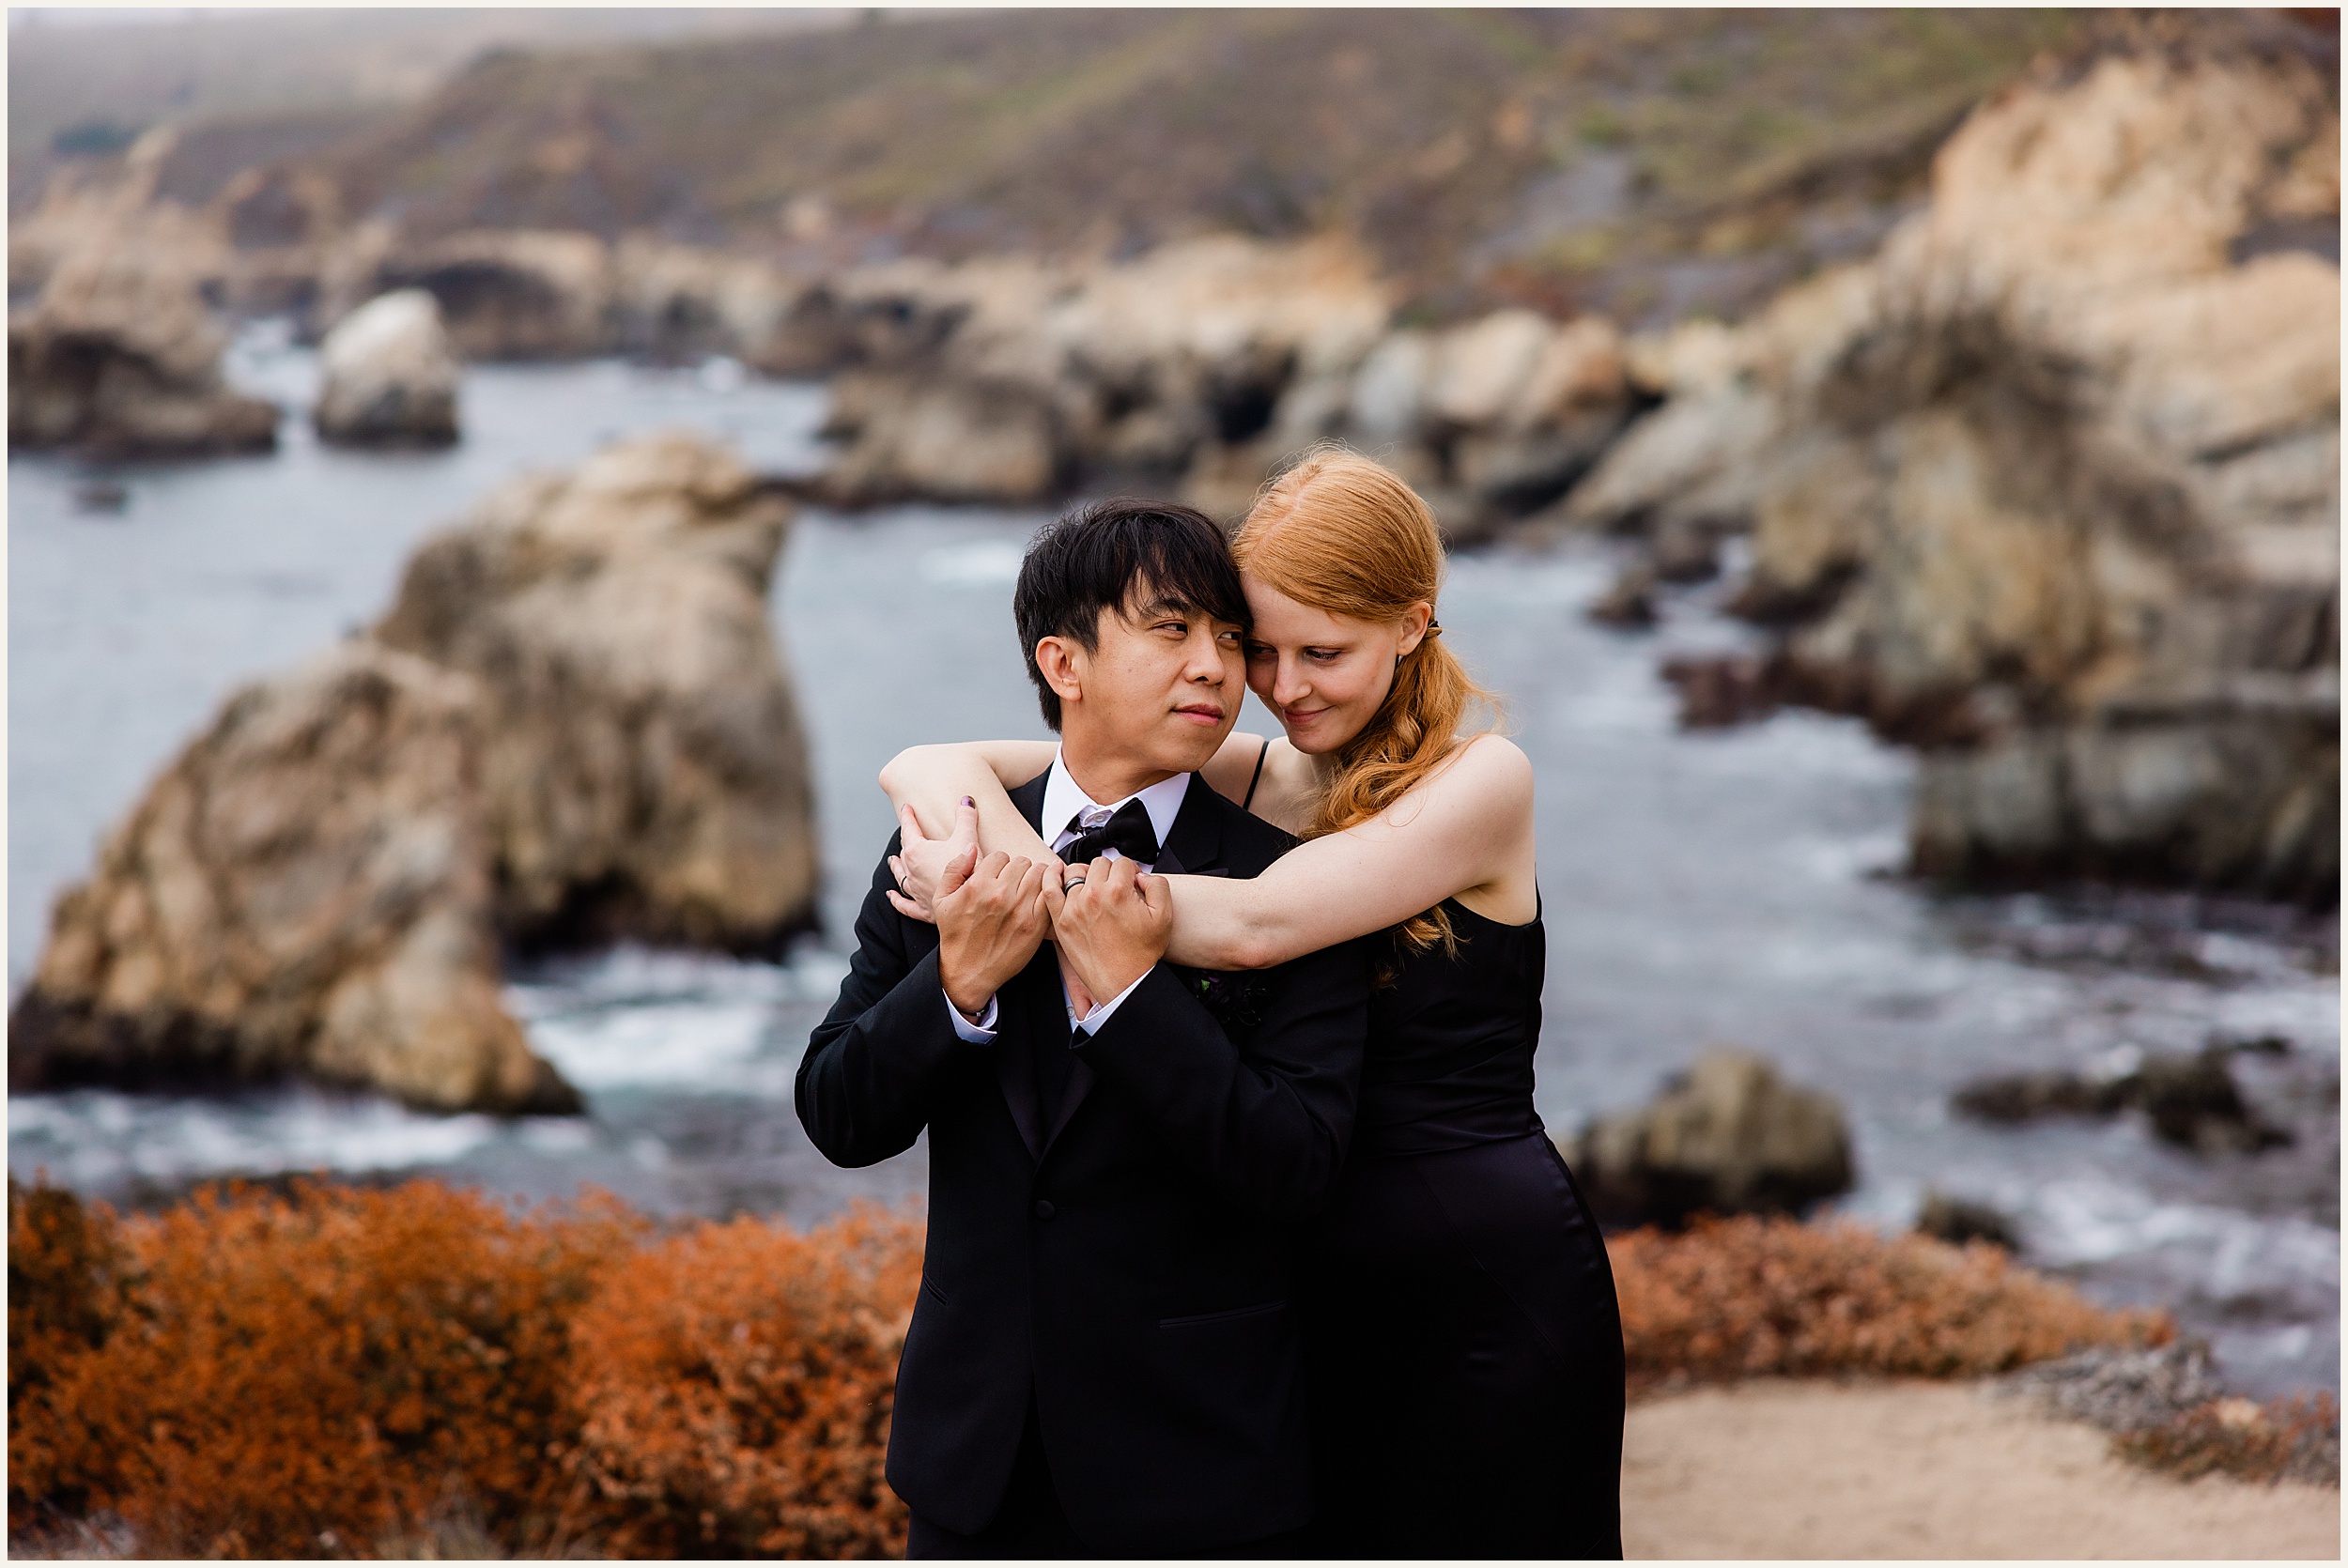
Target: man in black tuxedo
[(1102, 1359)]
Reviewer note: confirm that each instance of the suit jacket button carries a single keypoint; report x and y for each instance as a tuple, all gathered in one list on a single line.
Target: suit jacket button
[(1044, 1210)]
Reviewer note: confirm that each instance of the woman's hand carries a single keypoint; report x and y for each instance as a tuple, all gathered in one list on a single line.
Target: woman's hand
[(920, 862)]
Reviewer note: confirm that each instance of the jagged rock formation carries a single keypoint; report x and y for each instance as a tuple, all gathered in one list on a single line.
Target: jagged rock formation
[(304, 890), (115, 354), (645, 774), (1728, 1137), (1198, 368), (539, 295), (120, 360), (2190, 1100), (678, 302), (388, 376), (2051, 486), (520, 295), (1491, 420), (573, 726), (1002, 380)]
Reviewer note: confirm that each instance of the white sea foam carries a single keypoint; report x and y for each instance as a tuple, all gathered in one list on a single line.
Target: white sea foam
[(94, 1138), (2227, 1253), (637, 1017)]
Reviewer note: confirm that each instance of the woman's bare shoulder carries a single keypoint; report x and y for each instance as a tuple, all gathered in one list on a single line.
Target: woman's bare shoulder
[(1487, 773), (1233, 764)]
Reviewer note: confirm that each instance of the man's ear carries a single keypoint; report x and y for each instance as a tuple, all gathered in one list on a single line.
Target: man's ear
[(1063, 664)]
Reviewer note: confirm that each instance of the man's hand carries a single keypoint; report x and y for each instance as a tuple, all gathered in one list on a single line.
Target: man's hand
[(990, 921), (1111, 927)]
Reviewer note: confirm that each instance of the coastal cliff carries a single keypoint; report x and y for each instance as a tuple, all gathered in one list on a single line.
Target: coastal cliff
[(2051, 488)]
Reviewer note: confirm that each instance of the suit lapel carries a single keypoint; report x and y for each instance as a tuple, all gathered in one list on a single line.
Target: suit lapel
[(1015, 1068), (1193, 844)]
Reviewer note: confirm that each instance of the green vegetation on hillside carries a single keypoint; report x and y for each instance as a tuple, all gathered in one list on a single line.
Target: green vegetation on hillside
[(1557, 157)]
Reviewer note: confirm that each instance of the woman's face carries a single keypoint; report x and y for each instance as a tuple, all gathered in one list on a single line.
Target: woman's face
[(1324, 674)]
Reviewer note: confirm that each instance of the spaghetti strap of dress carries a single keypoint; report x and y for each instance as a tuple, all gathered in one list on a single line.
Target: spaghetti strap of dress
[(1257, 776)]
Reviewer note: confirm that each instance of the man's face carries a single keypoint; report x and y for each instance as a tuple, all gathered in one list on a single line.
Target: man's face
[(1159, 690)]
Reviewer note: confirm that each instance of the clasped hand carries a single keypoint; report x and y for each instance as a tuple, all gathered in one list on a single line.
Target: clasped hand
[(1111, 928), (992, 911)]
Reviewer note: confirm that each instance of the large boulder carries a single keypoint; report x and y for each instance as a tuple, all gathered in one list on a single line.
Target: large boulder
[(1012, 380), (574, 726), (645, 774), (1199, 369), (953, 441), (2190, 1101), (388, 376), (523, 294), (1493, 418), (304, 890), (117, 357), (2052, 487), (1728, 1137), (680, 302)]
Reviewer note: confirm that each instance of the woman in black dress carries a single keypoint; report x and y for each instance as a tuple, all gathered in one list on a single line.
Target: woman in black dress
[(1461, 1329)]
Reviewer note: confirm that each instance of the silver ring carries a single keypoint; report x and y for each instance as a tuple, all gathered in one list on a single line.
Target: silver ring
[(1075, 881)]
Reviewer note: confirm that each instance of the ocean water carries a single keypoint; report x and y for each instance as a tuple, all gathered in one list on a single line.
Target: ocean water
[(1735, 887)]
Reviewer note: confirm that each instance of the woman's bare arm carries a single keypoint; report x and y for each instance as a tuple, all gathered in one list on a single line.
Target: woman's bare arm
[(928, 783), (1466, 830), (933, 779)]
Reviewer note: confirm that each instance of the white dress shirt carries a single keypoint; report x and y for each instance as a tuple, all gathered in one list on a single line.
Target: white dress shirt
[(1067, 811)]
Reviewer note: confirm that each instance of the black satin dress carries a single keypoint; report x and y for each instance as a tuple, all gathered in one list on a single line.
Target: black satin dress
[(1462, 1339)]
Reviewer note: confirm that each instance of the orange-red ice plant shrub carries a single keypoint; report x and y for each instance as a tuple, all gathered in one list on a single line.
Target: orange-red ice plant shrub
[(736, 1382), (1752, 1297), (2296, 1439), (307, 1374), (325, 1374), (69, 1277)]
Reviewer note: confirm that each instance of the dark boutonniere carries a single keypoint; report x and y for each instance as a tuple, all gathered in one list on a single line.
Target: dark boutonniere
[(1234, 1001)]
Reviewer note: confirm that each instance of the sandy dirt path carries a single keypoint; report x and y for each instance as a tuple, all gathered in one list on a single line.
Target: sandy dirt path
[(1816, 1469)]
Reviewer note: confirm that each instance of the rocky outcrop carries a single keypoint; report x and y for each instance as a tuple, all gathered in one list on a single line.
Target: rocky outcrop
[(1728, 1137), (305, 890), (573, 726), (545, 295), (117, 357), (2121, 1391), (1137, 369), (388, 376), (679, 302), (2051, 486), (1198, 368), (1491, 420), (117, 209), (645, 774), (512, 295), (1959, 1220), (2190, 1101)]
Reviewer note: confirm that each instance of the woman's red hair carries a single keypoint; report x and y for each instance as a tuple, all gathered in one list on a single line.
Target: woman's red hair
[(1343, 533)]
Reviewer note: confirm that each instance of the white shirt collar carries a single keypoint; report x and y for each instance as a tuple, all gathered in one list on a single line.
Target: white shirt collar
[(1062, 800)]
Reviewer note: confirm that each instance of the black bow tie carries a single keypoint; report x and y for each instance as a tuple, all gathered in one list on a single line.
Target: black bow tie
[(1127, 831)]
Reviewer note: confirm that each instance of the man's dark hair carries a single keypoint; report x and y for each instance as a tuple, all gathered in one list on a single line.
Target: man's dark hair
[(1096, 556)]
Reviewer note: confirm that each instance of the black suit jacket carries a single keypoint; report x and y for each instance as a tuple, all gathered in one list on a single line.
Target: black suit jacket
[(1130, 1266)]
